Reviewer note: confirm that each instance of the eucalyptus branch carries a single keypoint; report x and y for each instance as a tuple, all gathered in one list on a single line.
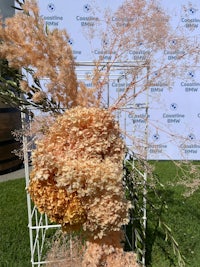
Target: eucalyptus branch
[(11, 94)]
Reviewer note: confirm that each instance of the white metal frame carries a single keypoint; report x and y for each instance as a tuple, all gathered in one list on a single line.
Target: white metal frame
[(38, 224)]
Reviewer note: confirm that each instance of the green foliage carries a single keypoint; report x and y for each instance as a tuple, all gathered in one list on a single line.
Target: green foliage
[(9, 84), (12, 94)]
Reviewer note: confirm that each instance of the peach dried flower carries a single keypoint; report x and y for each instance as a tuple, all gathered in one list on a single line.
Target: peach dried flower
[(82, 154)]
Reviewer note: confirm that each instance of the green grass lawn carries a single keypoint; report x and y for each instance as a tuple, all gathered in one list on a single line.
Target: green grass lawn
[(182, 216), (14, 235)]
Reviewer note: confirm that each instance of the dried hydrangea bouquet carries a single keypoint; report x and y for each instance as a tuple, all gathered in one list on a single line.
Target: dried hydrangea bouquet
[(77, 181), (78, 163)]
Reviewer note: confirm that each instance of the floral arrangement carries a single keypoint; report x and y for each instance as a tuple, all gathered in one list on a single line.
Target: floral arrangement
[(77, 181), (78, 161), (77, 171)]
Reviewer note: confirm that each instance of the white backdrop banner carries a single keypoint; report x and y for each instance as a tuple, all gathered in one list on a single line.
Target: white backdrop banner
[(167, 117)]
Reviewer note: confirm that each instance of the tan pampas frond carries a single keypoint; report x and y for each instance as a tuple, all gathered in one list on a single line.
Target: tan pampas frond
[(27, 43), (65, 251)]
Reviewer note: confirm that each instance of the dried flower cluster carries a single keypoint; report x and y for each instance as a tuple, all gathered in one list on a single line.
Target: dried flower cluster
[(108, 252), (77, 172), (57, 204)]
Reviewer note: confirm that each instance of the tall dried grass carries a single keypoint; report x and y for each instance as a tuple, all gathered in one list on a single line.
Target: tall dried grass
[(65, 251)]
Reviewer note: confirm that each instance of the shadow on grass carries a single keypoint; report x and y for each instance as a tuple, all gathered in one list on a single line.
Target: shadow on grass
[(154, 234), (181, 216)]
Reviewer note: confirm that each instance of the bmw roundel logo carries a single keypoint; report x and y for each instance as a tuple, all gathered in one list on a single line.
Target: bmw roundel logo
[(192, 10), (191, 74), (191, 137), (173, 106), (173, 42), (156, 137), (70, 41), (51, 7), (155, 73), (105, 42), (86, 8)]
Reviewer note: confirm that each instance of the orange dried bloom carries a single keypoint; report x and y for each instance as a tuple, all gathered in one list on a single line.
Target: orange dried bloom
[(57, 204), (82, 152)]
